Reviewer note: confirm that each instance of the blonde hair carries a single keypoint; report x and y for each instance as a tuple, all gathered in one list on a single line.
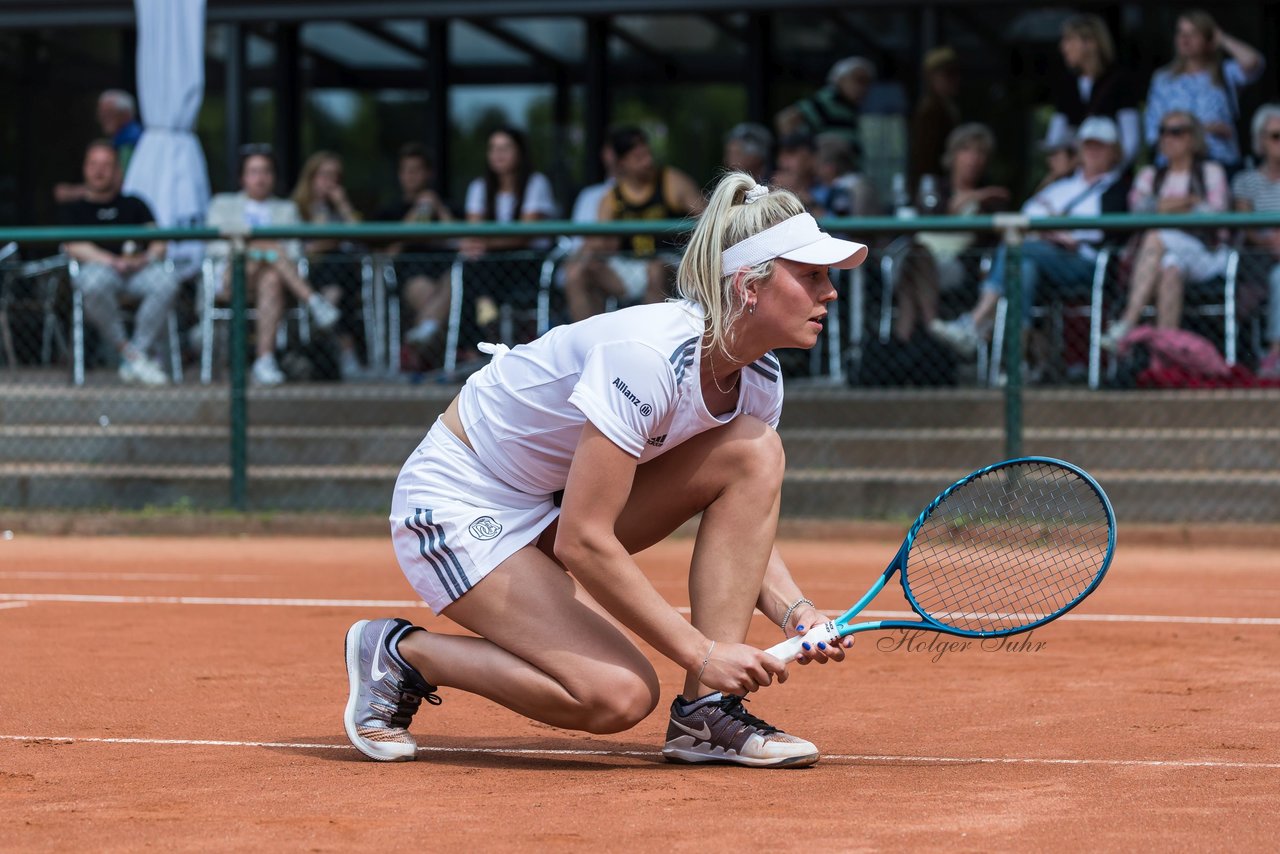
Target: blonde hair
[(303, 193), (971, 133), (1091, 28), (1206, 26), (729, 219)]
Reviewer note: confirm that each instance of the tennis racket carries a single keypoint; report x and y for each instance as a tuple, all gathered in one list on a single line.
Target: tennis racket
[(1002, 551)]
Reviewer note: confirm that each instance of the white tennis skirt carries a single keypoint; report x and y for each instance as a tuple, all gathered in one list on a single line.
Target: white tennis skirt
[(453, 522)]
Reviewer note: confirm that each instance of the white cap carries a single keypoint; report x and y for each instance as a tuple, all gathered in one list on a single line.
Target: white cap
[(848, 65), (1099, 129), (797, 238)]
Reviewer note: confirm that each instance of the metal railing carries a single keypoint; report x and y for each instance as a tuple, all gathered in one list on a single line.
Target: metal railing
[(848, 356)]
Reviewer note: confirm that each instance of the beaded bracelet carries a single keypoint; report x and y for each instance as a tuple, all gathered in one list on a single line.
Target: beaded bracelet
[(787, 618)]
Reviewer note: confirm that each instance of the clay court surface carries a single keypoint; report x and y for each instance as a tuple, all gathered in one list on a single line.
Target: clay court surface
[(184, 694)]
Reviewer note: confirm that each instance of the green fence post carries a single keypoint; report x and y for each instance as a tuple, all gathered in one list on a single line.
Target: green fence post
[(1013, 228), (239, 404)]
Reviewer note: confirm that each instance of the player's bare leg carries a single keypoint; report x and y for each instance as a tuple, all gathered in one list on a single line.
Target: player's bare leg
[(577, 671)]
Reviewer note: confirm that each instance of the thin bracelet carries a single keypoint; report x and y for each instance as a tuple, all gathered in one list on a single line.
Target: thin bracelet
[(705, 659), (787, 618)]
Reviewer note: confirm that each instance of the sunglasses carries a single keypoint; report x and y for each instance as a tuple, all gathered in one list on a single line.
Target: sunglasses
[(1174, 130)]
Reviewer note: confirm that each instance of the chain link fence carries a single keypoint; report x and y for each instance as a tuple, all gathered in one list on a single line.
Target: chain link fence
[(959, 342)]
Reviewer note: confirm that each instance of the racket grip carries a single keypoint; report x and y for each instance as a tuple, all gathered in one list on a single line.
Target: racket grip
[(791, 647)]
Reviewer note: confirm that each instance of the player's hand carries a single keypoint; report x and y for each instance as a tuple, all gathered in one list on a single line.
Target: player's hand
[(808, 617), (736, 668)]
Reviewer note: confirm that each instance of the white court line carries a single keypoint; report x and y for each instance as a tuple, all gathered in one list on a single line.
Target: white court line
[(4, 605), (40, 575), (413, 603), (212, 600), (653, 754)]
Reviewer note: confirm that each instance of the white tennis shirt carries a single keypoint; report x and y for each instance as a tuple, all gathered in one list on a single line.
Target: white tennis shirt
[(633, 373)]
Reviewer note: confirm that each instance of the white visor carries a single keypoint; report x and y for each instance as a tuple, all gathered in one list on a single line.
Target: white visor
[(796, 239)]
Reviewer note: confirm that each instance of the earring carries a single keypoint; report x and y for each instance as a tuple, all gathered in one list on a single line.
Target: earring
[(751, 308)]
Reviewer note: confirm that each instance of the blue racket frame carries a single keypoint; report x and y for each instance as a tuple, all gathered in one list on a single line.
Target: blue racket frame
[(841, 627)]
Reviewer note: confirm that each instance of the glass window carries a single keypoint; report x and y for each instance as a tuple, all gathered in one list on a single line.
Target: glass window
[(563, 38), (471, 46), (359, 48)]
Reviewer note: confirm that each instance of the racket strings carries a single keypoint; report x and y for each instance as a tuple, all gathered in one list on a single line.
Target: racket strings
[(1008, 548)]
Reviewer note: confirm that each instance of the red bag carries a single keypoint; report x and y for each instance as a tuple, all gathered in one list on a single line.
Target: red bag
[(1178, 350)]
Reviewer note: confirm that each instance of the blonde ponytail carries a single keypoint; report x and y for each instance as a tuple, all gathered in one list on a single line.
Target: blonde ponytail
[(729, 219)]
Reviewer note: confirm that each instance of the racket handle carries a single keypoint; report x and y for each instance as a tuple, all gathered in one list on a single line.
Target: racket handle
[(791, 647)]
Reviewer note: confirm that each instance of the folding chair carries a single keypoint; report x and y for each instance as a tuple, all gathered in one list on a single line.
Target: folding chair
[(211, 273), (1217, 297), (1056, 310), (174, 342), (524, 300), (890, 269), (8, 255)]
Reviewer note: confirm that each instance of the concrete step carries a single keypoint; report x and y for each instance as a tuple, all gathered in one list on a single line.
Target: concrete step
[(358, 489), (356, 405), (894, 494), (152, 445), (895, 409), (1137, 496), (383, 405), (1144, 449), (1168, 449)]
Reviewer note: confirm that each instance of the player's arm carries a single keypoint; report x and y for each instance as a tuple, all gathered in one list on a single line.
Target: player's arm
[(89, 253), (597, 490), (778, 594), (599, 485)]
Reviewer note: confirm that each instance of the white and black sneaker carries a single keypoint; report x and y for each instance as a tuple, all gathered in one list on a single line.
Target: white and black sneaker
[(385, 691), (961, 335), (716, 728)]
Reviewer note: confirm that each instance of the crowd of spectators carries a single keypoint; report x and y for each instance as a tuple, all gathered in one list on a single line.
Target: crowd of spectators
[(1094, 143)]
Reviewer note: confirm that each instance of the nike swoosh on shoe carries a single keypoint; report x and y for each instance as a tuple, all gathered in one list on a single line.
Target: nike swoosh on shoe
[(704, 733), (374, 670)]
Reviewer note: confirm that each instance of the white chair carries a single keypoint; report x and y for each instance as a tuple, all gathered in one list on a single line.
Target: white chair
[(890, 264), (8, 255), (508, 310), (1193, 303), (174, 342), (1056, 310), (211, 273)]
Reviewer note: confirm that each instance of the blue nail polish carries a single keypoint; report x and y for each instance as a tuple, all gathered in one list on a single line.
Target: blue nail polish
[(821, 645), (799, 629), (806, 646)]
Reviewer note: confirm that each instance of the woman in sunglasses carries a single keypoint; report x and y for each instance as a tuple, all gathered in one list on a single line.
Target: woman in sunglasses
[(1167, 259), (1259, 190)]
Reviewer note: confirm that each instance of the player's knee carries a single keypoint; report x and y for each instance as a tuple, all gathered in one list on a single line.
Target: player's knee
[(621, 703), (94, 279), (755, 451)]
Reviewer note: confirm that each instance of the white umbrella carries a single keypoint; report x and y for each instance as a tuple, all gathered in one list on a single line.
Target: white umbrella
[(167, 169)]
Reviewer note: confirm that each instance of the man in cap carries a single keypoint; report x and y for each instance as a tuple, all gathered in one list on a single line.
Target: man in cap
[(1064, 259)]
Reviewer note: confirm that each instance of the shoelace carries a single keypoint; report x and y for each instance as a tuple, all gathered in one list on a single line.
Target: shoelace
[(410, 697), (731, 705)]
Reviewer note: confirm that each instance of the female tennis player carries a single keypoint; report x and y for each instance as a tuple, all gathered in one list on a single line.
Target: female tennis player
[(517, 515)]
